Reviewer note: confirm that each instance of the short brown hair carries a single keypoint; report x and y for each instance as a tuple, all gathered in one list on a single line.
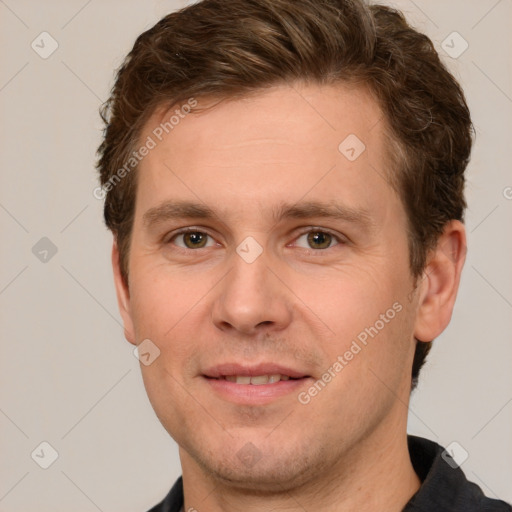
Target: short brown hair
[(228, 49)]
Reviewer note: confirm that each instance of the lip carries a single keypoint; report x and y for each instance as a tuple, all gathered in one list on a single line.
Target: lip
[(250, 394), (224, 369)]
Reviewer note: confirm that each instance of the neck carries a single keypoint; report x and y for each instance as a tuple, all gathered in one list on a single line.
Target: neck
[(377, 474)]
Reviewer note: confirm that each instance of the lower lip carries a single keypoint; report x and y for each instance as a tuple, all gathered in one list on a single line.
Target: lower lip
[(255, 394)]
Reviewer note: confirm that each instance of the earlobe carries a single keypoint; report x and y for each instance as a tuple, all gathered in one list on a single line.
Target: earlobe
[(438, 289), (123, 295)]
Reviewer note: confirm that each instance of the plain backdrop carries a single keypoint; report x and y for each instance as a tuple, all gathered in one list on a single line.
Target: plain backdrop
[(68, 377)]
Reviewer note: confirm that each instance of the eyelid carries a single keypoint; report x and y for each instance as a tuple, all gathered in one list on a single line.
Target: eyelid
[(340, 239), (169, 237)]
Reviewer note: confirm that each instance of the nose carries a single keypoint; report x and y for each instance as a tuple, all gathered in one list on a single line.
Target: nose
[(252, 298)]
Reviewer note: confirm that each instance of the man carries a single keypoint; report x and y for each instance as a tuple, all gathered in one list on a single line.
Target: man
[(284, 182)]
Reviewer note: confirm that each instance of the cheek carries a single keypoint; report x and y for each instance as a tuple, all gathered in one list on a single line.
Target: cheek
[(370, 324), (163, 316), (368, 366), (161, 301), (168, 311), (349, 298), (381, 352)]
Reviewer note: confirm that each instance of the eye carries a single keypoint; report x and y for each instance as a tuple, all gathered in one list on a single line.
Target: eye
[(192, 239), (318, 239)]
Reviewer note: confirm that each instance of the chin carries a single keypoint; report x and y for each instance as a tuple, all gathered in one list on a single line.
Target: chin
[(264, 470)]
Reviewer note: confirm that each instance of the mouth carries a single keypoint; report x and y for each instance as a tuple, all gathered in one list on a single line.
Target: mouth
[(255, 385), (255, 380)]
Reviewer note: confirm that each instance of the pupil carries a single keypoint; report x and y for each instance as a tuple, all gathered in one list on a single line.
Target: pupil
[(195, 239), (321, 240)]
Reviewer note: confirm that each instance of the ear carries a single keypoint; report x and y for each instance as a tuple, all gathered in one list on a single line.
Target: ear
[(440, 283), (123, 296)]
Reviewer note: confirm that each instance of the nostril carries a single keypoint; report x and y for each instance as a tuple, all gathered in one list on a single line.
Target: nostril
[(266, 322)]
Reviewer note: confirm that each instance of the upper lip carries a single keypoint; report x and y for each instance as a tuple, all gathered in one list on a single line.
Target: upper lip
[(222, 370)]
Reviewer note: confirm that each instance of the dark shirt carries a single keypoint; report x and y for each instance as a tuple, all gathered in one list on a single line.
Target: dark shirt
[(443, 489)]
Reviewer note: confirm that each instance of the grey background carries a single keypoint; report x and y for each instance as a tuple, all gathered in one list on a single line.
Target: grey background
[(68, 377)]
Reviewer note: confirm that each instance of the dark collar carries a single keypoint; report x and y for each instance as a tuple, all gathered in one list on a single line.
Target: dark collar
[(444, 488)]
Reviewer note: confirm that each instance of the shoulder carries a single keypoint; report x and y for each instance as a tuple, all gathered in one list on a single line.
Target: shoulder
[(173, 502), (444, 485)]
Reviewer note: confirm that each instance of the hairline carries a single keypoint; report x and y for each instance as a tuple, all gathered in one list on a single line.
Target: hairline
[(395, 159)]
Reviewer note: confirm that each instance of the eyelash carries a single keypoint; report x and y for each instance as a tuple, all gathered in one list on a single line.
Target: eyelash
[(340, 240)]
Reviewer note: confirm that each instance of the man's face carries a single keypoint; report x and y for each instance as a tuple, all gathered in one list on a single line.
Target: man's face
[(270, 284)]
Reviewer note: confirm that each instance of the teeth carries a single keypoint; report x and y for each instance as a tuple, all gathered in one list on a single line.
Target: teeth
[(260, 379), (256, 380)]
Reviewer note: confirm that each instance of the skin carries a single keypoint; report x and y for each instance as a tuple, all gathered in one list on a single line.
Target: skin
[(296, 304)]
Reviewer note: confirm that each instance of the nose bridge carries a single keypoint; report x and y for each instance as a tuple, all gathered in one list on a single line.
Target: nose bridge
[(249, 280), (251, 295)]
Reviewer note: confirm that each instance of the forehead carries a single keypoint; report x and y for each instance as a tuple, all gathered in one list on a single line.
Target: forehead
[(315, 112), (288, 140)]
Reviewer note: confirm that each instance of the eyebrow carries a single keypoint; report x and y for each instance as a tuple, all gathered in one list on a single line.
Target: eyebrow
[(171, 210)]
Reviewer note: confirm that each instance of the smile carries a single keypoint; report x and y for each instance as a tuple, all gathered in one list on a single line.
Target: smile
[(256, 380)]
